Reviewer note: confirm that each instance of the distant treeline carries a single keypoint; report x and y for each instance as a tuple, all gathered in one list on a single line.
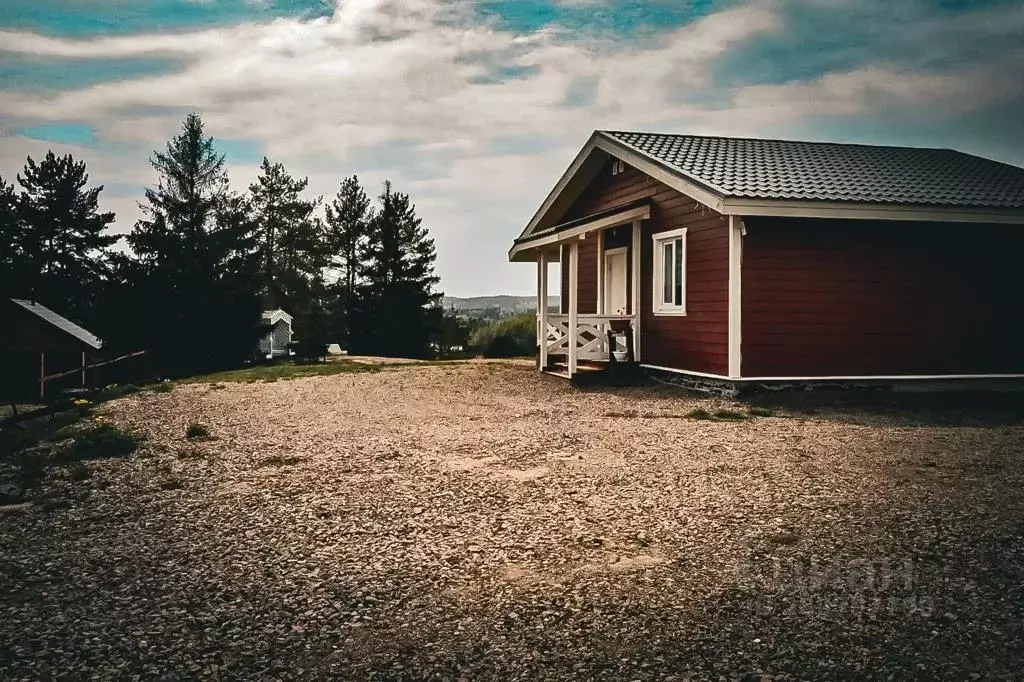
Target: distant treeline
[(205, 259)]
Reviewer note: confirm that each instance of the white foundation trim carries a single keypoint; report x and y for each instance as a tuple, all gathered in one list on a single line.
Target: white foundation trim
[(866, 377)]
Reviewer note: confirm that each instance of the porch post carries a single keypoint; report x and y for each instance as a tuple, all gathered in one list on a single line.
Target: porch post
[(635, 276), (574, 266), (542, 308)]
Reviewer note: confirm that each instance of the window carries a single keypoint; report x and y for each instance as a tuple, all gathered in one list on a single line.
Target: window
[(670, 272)]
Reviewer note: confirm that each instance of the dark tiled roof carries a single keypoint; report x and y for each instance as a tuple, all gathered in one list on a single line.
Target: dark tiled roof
[(62, 323), (780, 169)]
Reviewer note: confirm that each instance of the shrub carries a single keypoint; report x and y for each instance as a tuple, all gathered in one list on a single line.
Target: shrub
[(759, 412), (196, 430), (730, 415), (102, 441), (699, 413), (511, 337), (163, 387), (310, 351)]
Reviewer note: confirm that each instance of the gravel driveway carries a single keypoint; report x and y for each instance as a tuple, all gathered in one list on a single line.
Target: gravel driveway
[(478, 521)]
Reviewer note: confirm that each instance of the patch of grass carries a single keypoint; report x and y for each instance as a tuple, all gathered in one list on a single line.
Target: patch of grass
[(102, 441), (759, 412), (80, 472), (280, 461), (192, 454), (197, 430), (217, 387), (730, 415), (699, 413), (163, 387), (285, 370)]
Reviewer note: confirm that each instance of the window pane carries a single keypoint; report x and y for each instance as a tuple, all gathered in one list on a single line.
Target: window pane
[(666, 259), (679, 272)]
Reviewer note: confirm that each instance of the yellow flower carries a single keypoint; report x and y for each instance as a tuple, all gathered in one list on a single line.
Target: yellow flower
[(81, 402)]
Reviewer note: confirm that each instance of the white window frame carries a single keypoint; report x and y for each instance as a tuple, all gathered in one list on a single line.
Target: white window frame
[(658, 271)]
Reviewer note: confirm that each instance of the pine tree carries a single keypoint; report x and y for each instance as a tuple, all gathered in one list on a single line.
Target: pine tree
[(60, 235), (291, 246), (348, 219), (194, 269), (398, 312)]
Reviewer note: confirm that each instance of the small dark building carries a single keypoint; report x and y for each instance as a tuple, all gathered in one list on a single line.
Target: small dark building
[(35, 342)]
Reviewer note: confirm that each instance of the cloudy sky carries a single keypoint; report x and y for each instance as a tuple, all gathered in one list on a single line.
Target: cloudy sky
[(475, 107)]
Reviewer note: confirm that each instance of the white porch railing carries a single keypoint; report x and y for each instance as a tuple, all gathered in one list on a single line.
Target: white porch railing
[(591, 335)]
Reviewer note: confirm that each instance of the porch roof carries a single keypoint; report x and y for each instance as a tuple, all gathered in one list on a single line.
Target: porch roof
[(634, 210)]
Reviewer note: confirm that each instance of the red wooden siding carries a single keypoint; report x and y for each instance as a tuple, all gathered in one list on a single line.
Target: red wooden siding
[(863, 298), (697, 341)]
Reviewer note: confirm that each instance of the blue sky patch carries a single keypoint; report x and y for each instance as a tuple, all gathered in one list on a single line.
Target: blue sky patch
[(598, 18), (83, 18), (65, 133), (239, 151), (26, 73)]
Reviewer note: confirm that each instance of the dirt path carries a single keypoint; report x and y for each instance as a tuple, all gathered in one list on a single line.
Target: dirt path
[(477, 520)]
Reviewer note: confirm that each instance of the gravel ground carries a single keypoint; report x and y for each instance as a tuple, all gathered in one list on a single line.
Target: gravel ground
[(478, 521)]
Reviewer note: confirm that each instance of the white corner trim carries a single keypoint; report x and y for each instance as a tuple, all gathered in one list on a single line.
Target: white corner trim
[(736, 231), (635, 293)]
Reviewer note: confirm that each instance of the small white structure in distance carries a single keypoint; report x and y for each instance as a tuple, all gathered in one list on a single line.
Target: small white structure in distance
[(274, 342)]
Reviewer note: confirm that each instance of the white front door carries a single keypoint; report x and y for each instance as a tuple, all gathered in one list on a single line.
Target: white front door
[(615, 282)]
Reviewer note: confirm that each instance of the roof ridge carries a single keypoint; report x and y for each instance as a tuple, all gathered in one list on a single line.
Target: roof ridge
[(777, 139)]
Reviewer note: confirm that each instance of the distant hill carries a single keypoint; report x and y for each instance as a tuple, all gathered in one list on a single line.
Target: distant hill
[(506, 304)]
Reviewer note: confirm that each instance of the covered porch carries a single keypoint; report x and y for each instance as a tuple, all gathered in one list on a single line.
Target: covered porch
[(598, 323)]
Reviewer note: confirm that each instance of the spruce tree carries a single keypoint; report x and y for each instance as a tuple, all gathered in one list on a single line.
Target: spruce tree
[(399, 312), (348, 219), (61, 236), (11, 265), (195, 261), (292, 250)]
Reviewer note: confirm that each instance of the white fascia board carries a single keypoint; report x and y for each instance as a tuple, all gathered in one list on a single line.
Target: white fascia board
[(638, 213), (656, 171), (560, 186), (847, 210)]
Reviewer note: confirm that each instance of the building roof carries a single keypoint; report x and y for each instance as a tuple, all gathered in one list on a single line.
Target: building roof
[(275, 316), (60, 322), (807, 171)]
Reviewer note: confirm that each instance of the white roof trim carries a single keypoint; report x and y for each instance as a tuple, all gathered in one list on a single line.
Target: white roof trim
[(862, 211), (560, 186), (672, 178), (620, 218)]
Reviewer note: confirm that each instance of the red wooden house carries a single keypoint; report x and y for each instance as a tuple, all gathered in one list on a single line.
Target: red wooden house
[(761, 261)]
